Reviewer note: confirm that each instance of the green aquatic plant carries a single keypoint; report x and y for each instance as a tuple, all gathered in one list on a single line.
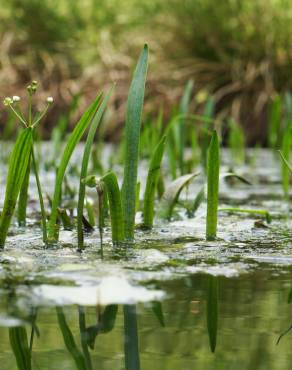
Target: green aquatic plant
[(274, 121), (236, 142), (73, 140), (286, 148), (172, 193), (151, 183), (84, 166), (115, 205), (18, 165), (183, 111), (109, 183), (207, 119), (132, 137), (213, 166), (20, 161), (254, 212)]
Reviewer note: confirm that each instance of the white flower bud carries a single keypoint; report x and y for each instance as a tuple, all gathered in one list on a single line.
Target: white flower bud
[(50, 99), (15, 98)]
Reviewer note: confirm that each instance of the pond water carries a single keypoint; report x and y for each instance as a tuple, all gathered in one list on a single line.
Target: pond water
[(252, 312), (170, 301)]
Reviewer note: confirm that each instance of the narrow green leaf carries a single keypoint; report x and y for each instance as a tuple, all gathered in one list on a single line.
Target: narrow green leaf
[(84, 166), (115, 205), (274, 121), (286, 147), (236, 142), (23, 199), (73, 140), (213, 164), (285, 161), (254, 212), (151, 184), (18, 163), (183, 109), (41, 198), (132, 137)]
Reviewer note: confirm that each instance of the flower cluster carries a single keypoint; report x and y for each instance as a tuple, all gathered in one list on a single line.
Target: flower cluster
[(30, 121)]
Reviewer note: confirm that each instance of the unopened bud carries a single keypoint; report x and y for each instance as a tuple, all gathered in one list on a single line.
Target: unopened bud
[(50, 99), (15, 98), (7, 101)]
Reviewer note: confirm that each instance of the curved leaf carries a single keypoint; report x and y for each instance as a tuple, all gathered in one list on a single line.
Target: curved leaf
[(172, 193)]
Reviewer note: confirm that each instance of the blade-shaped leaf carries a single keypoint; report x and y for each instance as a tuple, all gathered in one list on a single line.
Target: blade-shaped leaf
[(132, 138), (73, 140), (18, 163), (151, 184), (85, 160)]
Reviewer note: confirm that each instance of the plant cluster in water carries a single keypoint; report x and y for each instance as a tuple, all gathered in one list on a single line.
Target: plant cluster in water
[(187, 140)]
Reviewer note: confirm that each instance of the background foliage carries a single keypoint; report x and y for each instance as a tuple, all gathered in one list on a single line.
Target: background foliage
[(239, 51)]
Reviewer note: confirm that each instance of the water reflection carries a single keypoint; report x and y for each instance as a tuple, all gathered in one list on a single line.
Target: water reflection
[(212, 311), (201, 324)]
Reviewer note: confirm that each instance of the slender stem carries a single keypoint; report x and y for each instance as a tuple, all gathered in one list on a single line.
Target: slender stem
[(41, 115), (29, 109), (213, 164), (18, 115), (41, 199)]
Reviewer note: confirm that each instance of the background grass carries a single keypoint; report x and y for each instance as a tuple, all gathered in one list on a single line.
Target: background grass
[(239, 51)]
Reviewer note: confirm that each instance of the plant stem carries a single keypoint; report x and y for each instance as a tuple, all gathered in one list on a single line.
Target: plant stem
[(213, 164)]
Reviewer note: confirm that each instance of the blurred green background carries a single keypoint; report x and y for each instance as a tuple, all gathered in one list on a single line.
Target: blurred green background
[(239, 51)]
